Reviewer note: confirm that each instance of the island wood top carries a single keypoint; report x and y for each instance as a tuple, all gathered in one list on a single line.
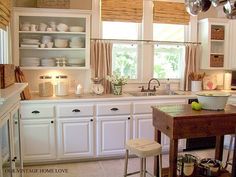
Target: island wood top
[(180, 121)]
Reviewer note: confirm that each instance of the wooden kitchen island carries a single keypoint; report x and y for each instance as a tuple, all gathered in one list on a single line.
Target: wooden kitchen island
[(180, 121)]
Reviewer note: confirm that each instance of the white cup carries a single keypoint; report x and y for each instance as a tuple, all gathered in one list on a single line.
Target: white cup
[(49, 44), (42, 45), (49, 29), (196, 86), (33, 27)]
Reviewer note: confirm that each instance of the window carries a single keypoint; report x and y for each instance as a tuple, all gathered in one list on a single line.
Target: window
[(168, 59), (124, 55), (4, 52)]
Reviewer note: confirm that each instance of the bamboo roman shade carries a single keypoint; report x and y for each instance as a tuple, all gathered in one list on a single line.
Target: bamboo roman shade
[(5, 13), (170, 12), (122, 10)]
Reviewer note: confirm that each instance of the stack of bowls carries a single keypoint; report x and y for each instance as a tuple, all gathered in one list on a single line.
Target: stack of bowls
[(61, 43)]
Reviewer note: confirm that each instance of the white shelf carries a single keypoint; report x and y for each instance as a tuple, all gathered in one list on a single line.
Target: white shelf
[(42, 68), (53, 49), (52, 32)]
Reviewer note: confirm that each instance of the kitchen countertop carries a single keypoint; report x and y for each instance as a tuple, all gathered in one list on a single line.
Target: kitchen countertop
[(110, 97)]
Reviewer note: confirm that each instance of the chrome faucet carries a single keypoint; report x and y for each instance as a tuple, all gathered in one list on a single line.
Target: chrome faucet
[(149, 83)]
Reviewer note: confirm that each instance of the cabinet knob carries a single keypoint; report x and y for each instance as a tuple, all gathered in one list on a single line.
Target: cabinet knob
[(167, 128), (75, 110), (52, 122), (35, 112), (91, 120), (16, 122), (128, 118), (114, 109), (14, 159)]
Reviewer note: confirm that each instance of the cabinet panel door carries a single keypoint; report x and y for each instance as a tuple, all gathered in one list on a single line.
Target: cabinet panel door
[(232, 51), (143, 127), (112, 134), (38, 138), (75, 137)]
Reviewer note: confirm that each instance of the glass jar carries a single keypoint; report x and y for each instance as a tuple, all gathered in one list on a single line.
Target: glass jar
[(62, 85), (45, 86)]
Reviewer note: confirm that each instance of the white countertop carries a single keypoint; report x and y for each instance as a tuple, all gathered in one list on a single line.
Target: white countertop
[(11, 91)]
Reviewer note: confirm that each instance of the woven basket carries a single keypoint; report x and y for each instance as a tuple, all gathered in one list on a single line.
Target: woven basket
[(217, 33), (59, 4), (217, 60)]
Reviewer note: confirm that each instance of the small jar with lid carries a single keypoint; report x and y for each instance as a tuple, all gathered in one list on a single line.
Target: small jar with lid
[(62, 85), (45, 86)]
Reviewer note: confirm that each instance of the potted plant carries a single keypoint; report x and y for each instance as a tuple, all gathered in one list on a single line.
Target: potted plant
[(117, 82)]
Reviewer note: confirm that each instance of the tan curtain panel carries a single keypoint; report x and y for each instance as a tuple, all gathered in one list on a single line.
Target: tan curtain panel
[(5, 13), (122, 10), (190, 64), (101, 62), (170, 12)]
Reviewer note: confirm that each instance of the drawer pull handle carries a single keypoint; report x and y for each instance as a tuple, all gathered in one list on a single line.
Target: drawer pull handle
[(52, 122), (114, 109), (91, 120), (76, 110), (35, 112)]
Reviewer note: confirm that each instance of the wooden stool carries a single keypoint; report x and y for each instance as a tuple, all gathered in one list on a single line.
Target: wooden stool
[(142, 148)]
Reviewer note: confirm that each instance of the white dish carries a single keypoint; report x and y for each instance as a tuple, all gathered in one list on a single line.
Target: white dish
[(30, 41), (62, 27), (213, 100), (76, 29), (61, 43)]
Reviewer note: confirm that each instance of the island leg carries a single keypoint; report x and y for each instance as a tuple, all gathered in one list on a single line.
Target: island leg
[(219, 147), (234, 159), (156, 158), (173, 157)]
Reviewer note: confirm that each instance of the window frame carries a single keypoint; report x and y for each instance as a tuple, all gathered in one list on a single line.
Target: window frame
[(146, 52), (4, 46), (139, 50)]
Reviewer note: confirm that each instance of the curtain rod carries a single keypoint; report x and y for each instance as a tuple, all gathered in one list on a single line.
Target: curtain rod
[(145, 41)]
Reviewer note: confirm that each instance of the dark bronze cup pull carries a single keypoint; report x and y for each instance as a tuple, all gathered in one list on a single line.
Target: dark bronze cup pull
[(76, 110), (52, 122), (91, 120), (35, 112), (114, 109)]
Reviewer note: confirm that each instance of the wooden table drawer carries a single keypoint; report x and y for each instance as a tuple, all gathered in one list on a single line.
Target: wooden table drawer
[(75, 110), (113, 109), (37, 111)]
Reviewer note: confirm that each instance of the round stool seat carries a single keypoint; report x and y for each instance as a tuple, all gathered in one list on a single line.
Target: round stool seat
[(143, 147)]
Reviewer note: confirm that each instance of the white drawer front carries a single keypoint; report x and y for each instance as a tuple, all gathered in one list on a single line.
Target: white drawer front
[(74, 110), (113, 109), (145, 107), (37, 111)]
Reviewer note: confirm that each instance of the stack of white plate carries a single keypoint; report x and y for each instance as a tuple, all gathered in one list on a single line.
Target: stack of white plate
[(30, 61), (76, 42), (48, 62), (30, 43)]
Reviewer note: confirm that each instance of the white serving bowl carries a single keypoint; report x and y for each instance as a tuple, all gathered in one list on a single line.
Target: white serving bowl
[(76, 29), (213, 100), (61, 43)]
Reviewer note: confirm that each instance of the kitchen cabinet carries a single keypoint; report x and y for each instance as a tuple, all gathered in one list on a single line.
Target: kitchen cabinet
[(214, 37), (232, 45), (142, 121), (51, 38), (75, 137), (38, 138), (112, 134)]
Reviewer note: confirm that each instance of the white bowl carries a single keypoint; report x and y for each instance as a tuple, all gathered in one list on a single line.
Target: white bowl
[(213, 100), (61, 43), (76, 29)]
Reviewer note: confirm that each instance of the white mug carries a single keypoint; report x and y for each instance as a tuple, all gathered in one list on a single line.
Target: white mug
[(42, 45), (49, 44), (33, 27), (42, 27)]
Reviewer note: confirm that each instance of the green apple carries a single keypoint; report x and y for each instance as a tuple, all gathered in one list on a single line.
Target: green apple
[(196, 106)]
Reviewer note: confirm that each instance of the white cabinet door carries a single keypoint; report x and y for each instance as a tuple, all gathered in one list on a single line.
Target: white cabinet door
[(112, 134), (143, 127), (38, 138), (75, 137)]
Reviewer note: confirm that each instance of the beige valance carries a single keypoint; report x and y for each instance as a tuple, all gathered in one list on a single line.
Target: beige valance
[(170, 12), (5, 13), (122, 10)]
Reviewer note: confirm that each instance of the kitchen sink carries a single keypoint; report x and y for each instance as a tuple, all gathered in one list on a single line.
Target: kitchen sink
[(156, 93)]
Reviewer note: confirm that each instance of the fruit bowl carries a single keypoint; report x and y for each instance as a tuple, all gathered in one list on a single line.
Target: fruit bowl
[(213, 100)]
